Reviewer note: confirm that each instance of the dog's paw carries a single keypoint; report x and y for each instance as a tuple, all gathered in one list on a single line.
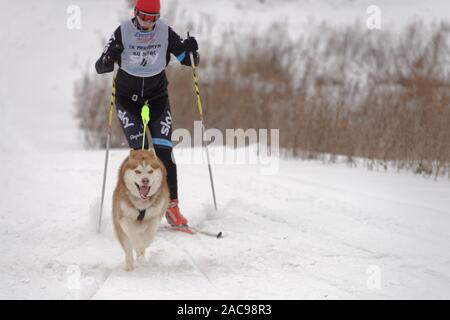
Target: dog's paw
[(129, 266), (141, 260)]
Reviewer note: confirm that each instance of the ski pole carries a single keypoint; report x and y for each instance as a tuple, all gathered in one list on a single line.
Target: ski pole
[(200, 110), (108, 142)]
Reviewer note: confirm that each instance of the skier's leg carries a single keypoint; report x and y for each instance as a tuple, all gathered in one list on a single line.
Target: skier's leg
[(165, 155), (131, 124), (161, 131)]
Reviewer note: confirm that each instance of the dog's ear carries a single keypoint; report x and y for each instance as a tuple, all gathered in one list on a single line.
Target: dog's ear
[(133, 153), (152, 152), (123, 167)]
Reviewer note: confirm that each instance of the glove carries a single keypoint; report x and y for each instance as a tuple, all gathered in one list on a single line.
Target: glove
[(112, 54), (187, 60), (196, 58), (190, 44)]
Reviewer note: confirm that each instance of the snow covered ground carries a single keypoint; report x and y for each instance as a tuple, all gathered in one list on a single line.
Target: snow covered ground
[(310, 231)]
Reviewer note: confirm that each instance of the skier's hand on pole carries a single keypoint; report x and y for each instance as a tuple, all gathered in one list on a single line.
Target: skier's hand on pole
[(191, 46), (113, 54)]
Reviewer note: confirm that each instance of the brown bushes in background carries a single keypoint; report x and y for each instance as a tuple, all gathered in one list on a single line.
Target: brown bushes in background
[(379, 95), (354, 92), (92, 101)]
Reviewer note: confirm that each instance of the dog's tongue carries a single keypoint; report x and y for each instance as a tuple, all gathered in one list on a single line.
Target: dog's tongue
[(143, 191)]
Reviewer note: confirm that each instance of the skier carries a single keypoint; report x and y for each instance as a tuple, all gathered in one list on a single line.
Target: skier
[(142, 46)]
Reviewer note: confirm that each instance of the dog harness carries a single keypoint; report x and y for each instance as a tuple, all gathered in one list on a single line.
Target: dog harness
[(141, 215)]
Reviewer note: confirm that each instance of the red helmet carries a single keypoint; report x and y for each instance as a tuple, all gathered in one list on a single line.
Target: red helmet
[(149, 6)]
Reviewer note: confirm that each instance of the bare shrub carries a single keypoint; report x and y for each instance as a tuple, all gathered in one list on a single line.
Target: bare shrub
[(92, 101)]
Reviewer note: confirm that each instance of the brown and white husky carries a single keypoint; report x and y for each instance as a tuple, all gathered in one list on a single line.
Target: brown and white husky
[(140, 200)]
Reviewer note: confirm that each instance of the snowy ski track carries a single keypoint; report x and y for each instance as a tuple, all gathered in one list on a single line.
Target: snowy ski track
[(311, 231)]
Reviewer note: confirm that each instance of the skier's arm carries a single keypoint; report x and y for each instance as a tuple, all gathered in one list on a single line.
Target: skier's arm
[(111, 54), (181, 49)]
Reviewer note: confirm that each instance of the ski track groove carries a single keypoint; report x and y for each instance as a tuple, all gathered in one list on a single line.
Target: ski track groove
[(198, 268), (102, 282), (189, 256)]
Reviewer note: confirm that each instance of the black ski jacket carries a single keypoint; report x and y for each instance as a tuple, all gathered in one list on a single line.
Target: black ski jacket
[(144, 87)]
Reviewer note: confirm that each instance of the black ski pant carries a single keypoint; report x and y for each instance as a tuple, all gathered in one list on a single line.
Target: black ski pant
[(159, 127)]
